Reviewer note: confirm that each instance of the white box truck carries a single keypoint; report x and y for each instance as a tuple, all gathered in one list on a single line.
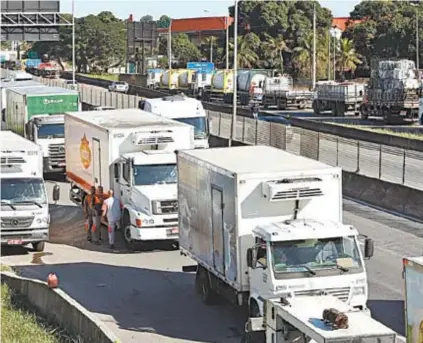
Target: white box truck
[(262, 223), (413, 304), (183, 109), (24, 205), (132, 152)]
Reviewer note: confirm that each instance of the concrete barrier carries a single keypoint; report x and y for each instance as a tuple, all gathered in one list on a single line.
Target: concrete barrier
[(58, 307), (390, 196)]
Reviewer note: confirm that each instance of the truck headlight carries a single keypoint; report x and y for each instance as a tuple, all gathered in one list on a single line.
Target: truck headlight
[(358, 291), (151, 221), (43, 220)]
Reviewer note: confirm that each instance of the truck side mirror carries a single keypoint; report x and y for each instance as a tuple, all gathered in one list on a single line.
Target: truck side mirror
[(116, 171), (369, 247), (56, 193), (250, 257)]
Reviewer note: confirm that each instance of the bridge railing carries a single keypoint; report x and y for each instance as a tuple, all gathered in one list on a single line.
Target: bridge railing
[(395, 165)]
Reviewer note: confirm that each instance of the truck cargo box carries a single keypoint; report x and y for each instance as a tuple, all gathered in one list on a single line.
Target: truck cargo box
[(224, 193)]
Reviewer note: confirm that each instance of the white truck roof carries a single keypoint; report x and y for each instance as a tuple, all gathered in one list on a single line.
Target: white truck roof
[(176, 106), (418, 260), (123, 119), (257, 159), (11, 141), (40, 90), (300, 229), (25, 83), (305, 313)]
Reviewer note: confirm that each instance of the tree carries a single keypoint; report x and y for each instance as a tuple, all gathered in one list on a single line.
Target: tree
[(246, 56), (163, 22), (348, 58), (210, 43), (184, 50), (146, 19), (275, 47)]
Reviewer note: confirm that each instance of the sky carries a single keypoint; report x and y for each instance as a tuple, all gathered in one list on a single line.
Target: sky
[(176, 8)]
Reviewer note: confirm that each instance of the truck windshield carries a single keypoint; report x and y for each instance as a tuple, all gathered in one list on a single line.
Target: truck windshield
[(155, 174), (199, 123), (51, 131), (315, 255), (20, 191)]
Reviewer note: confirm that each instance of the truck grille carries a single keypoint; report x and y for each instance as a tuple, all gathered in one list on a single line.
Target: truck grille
[(11, 223), (166, 207), (342, 293), (57, 154)]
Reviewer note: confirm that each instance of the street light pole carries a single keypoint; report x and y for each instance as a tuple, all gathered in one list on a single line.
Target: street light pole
[(169, 41), (227, 42), (211, 49), (417, 39), (314, 46), (73, 43), (235, 67)]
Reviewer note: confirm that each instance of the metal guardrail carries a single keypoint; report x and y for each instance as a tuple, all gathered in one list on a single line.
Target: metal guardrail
[(377, 161)]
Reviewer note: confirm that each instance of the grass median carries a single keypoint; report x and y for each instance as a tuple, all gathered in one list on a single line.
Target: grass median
[(19, 325)]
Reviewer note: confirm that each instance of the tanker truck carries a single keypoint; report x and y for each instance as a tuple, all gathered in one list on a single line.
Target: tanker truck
[(185, 80), (170, 80), (221, 87), (153, 78), (248, 84)]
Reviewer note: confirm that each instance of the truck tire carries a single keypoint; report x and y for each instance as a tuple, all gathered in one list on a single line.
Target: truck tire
[(364, 110), (316, 107), (334, 109), (126, 231), (39, 246), (340, 109), (203, 288)]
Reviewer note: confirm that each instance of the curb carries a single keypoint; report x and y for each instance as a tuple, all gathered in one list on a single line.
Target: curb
[(56, 305)]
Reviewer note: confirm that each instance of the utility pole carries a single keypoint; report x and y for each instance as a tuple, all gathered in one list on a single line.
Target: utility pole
[(169, 41), (211, 49), (328, 55), (417, 39), (73, 43), (314, 45), (235, 66), (227, 42)]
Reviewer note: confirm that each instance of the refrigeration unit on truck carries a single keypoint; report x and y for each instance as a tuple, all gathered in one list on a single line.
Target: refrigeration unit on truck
[(318, 319), (24, 214), (413, 304), (338, 98), (132, 152), (153, 78), (393, 92), (279, 91), (183, 109), (30, 112), (221, 87), (14, 75), (262, 223), (248, 84)]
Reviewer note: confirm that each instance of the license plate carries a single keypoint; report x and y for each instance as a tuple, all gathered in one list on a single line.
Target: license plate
[(14, 242)]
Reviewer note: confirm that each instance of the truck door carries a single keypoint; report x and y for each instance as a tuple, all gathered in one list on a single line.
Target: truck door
[(96, 162), (217, 230)]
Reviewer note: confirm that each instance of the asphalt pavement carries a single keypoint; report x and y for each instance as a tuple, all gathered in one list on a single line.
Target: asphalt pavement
[(145, 296)]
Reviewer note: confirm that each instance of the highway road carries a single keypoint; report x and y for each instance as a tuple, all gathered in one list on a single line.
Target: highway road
[(145, 297)]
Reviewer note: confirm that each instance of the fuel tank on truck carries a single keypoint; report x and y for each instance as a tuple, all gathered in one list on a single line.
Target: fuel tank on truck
[(223, 80), (185, 77), (172, 76)]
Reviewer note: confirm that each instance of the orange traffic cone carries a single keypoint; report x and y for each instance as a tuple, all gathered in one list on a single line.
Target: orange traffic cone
[(52, 281)]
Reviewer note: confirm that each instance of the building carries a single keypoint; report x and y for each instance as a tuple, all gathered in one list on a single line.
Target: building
[(199, 28), (343, 22)]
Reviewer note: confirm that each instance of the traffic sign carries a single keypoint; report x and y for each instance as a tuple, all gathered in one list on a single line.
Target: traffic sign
[(204, 67)]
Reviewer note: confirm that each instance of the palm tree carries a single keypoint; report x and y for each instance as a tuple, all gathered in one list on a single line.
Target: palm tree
[(211, 42), (347, 56), (246, 57), (275, 47)]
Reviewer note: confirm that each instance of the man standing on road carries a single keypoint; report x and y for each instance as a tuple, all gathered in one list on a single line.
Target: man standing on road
[(97, 209), (88, 212), (111, 209)]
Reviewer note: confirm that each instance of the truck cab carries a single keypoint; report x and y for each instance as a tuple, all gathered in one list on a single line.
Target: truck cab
[(24, 205), (147, 183), (305, 257), (183, 109), (48, 132), (201, 80), (153, 78)]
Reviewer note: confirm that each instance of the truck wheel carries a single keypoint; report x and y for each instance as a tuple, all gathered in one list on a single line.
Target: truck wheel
[(126, 231), (203, 287), (334, 109), (316, 107), (340, 109), (38, 247), (364, 110)]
